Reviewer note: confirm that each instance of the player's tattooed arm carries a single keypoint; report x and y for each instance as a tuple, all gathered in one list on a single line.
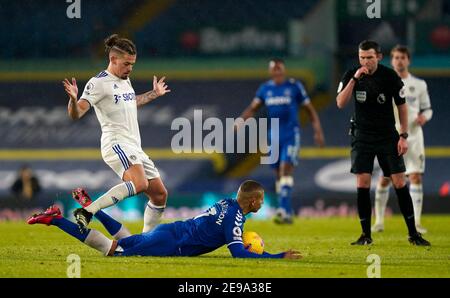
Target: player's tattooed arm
[(75, 108), (159, 89), (145, 98)]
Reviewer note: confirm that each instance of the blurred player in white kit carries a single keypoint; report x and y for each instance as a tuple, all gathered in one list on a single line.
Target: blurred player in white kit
[(419, 113)]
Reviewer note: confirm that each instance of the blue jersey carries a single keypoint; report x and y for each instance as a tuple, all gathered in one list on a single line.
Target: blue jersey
[(219, 225), (282, 102)]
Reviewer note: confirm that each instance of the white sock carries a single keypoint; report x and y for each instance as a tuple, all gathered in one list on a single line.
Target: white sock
[(417, 199), (381, 198), (122, 233), (100, 242), (152, 216), (277, 187), (112, 196)]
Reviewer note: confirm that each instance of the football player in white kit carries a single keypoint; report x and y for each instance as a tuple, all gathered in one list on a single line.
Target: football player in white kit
[(112, 96), (419, 113)]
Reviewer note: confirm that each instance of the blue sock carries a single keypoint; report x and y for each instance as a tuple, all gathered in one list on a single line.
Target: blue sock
[(70, 228), (285, 199), (110, 224)]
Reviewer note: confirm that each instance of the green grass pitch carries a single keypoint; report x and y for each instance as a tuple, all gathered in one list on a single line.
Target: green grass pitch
[(41, 251)]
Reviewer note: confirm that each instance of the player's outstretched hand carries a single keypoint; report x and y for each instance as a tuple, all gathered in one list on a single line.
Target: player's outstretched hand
[(71, 88), (292, 254), (160, 86)]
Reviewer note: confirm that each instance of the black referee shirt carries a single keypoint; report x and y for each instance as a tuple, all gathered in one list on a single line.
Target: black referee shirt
[(373, 96)]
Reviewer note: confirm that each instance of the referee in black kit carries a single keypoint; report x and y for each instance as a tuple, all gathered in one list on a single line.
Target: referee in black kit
[(373, 134)]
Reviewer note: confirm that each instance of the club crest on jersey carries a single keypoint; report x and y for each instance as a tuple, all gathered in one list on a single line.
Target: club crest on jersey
[(269, 93), (361, 96), (115, 86), (412, 89), (287, 92), (381, 99)]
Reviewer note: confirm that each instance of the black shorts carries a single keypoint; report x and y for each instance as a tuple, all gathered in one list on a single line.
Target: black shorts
[(366, 146)]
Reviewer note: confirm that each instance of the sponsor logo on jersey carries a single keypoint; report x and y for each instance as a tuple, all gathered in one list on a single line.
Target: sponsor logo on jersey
[(125, 97), (278, 100), (133, 157), (381, 99), (361, 96), (115, 86)]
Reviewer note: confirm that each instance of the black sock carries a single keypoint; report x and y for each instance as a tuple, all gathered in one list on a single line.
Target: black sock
[(364, 209), (407, 209)]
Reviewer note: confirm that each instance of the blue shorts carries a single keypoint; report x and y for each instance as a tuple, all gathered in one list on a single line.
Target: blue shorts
[(288, 151), (161, 241)]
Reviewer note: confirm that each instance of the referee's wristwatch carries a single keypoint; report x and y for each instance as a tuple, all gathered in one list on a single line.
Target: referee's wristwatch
[(404, 135)]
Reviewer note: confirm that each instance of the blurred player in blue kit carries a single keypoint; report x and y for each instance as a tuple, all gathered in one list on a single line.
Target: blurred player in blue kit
[(222, 224), (282, 98)]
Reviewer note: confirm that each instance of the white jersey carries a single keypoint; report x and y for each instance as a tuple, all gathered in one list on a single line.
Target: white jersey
[(114, 102), (418, 100)]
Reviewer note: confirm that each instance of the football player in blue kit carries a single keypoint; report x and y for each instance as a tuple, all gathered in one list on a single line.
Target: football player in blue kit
[(282, 98), (222, 224)]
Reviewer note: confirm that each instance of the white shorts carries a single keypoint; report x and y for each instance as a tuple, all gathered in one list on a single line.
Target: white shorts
[(121, 156), (415, 156)]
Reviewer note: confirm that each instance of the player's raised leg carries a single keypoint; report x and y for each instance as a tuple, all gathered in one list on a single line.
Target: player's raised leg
[(93, 238), (157, 194), (381, 198), (135, 182), (114, 228)]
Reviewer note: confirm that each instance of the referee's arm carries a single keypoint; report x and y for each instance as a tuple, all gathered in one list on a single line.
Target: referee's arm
[(345, 95)]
